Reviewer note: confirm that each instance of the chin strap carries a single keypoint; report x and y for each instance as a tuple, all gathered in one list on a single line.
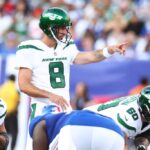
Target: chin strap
[(54, 36), (60, 42)]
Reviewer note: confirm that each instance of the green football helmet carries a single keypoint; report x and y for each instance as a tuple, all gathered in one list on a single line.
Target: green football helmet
[(144, 103), (53, 18)]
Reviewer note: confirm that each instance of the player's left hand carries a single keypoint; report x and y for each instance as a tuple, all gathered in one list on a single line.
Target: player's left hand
[(120, 48)]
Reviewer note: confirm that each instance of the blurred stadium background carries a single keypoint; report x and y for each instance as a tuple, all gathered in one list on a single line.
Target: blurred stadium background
[(96, 23)]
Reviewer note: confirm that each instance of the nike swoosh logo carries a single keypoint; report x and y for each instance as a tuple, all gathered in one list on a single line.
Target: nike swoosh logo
[(126, 118)]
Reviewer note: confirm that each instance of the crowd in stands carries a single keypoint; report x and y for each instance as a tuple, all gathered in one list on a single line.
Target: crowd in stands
[(96, 23)]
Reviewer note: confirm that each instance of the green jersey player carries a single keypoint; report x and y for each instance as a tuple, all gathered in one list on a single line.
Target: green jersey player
[(44, 65), (132, 114)]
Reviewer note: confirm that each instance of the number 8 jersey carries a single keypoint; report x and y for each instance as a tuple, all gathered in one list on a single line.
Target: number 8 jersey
[(50, 66)]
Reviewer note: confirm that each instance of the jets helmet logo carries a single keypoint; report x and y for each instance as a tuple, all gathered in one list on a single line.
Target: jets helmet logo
[(53, 16)]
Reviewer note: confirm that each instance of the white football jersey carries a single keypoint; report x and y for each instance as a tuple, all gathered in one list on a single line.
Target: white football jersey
[(50, 66), (125, 112), (3, 110)]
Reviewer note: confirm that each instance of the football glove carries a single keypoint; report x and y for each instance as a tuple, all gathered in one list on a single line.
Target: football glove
[(141, 147)]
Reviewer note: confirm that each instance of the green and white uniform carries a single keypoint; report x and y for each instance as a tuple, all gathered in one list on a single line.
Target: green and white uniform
[(125, 112), (50, 68), (3, 110)]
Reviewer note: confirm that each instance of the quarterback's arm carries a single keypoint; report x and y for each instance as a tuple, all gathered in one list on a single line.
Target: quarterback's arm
[(27, 87), (99, 55)]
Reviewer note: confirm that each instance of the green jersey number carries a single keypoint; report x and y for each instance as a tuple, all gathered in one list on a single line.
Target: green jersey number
[(56, 71), (133, 113)]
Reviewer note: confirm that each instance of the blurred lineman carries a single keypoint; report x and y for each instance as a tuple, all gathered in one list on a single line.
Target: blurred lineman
[(3, 134), (44, 65), (10, 94), (77, 130), (132, 114)]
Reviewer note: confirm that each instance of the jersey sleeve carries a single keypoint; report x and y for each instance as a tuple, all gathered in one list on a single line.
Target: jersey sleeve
[(24, 57), (73, 51)]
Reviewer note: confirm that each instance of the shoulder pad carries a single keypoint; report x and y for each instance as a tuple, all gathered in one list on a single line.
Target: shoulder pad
[(30, 44), (69, 43)]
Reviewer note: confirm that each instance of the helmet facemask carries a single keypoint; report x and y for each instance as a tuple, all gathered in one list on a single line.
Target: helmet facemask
[(55, 33)]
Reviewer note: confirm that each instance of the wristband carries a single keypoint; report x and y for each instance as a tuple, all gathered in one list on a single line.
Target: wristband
[(106, 53), (141, 147)]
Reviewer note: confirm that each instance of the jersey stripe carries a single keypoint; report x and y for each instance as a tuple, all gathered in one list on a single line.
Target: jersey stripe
[(1, 105), (69, 43), (28, 46), (3, 115), (124, 124)]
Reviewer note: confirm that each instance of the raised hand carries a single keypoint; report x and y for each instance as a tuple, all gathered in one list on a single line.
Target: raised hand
[(120, 48)]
